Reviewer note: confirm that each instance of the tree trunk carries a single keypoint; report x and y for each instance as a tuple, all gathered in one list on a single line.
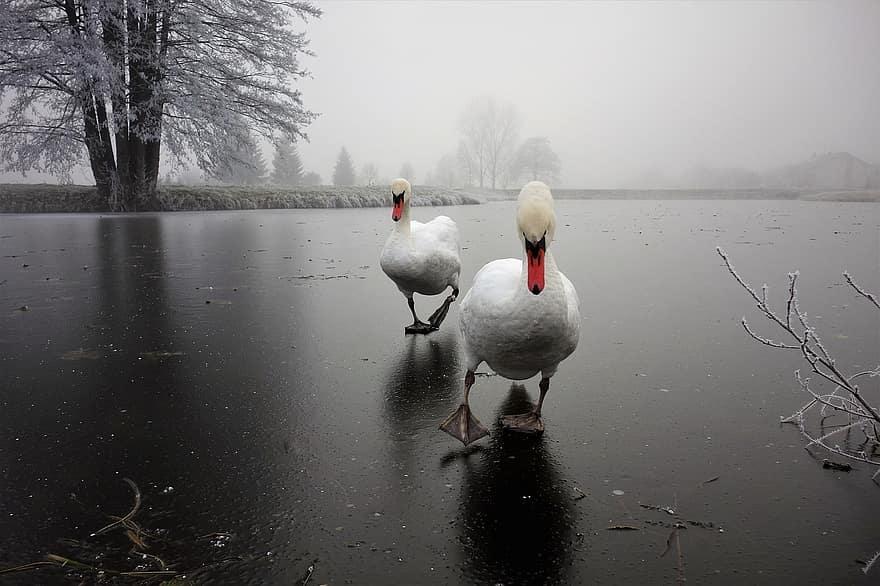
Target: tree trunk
[(134, 45), (100, 151), (145, 117), (115, 49)]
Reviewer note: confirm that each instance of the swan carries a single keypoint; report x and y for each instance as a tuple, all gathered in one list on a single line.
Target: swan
[(421, 258), (520, 317)]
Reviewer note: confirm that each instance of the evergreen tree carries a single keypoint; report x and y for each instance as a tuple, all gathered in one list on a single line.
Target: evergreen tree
[(369, 174), (343, 172), (406, 171), (287, 166), (245, 165)]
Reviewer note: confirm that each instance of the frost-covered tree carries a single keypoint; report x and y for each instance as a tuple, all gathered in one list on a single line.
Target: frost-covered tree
[(407, 172), (343, 172), (244, 165), (287, 167), (369, 174), (312, 178), (489, 130), (537, 161), (122, 82)]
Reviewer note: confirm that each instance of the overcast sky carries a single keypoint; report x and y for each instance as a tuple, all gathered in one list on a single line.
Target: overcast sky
[(619, 88)]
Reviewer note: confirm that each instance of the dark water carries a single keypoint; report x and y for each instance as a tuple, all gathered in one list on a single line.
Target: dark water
[(289, 423)]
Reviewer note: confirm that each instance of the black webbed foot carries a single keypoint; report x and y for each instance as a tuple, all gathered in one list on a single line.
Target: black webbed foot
[(438, 316), (420, 327)]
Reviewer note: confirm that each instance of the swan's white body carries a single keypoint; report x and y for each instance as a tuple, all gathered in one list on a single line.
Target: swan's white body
[(422, 258), (518, 333), (520, 317)]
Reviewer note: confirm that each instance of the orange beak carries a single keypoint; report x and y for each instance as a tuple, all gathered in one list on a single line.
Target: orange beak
[(536, 270), (397, 209)]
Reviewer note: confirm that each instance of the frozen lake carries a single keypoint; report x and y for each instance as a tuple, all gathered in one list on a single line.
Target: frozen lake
[(249, 372)]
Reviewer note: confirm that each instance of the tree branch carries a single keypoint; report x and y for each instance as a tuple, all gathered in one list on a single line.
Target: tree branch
[(861, 413)]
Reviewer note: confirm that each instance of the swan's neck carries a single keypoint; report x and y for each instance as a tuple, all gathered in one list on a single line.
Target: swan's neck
[(403, 227)]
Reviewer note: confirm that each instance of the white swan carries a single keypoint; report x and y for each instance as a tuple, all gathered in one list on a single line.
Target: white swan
[(421, 258), (520, 317)]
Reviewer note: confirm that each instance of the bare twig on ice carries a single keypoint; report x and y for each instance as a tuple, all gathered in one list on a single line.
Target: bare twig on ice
[(871, 563), (845, 397), (126, 520)]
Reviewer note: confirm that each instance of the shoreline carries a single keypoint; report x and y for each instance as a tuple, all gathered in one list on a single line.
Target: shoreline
[(47, 198)]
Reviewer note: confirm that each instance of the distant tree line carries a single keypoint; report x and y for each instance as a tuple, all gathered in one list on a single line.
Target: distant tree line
[(489, 154), (344, 172), (246, 165)]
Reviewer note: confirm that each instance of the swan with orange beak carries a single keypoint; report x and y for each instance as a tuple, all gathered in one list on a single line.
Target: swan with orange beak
[(421, 258), (521, 317)]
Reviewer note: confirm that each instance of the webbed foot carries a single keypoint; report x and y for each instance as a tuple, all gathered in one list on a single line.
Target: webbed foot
[(530, 423), (420, 327), (463, 426), (438, 316)]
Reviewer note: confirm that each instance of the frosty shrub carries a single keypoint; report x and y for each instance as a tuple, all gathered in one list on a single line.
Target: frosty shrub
[(835, 397)]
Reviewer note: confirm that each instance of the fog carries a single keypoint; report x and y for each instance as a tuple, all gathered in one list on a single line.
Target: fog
[(620, 89), (623, 91)]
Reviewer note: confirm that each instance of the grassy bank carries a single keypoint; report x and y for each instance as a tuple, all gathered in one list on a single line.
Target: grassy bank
[(29, 198)]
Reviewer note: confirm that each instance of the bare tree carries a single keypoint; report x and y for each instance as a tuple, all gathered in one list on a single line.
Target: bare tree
[(489, 131), (467, 164), (537, 161), (407, 172), (845, 398), (503, 127), (369, 174), (116, 79), (446, 173)]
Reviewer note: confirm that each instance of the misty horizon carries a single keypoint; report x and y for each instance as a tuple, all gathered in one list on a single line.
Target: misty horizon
[(624, 92)]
